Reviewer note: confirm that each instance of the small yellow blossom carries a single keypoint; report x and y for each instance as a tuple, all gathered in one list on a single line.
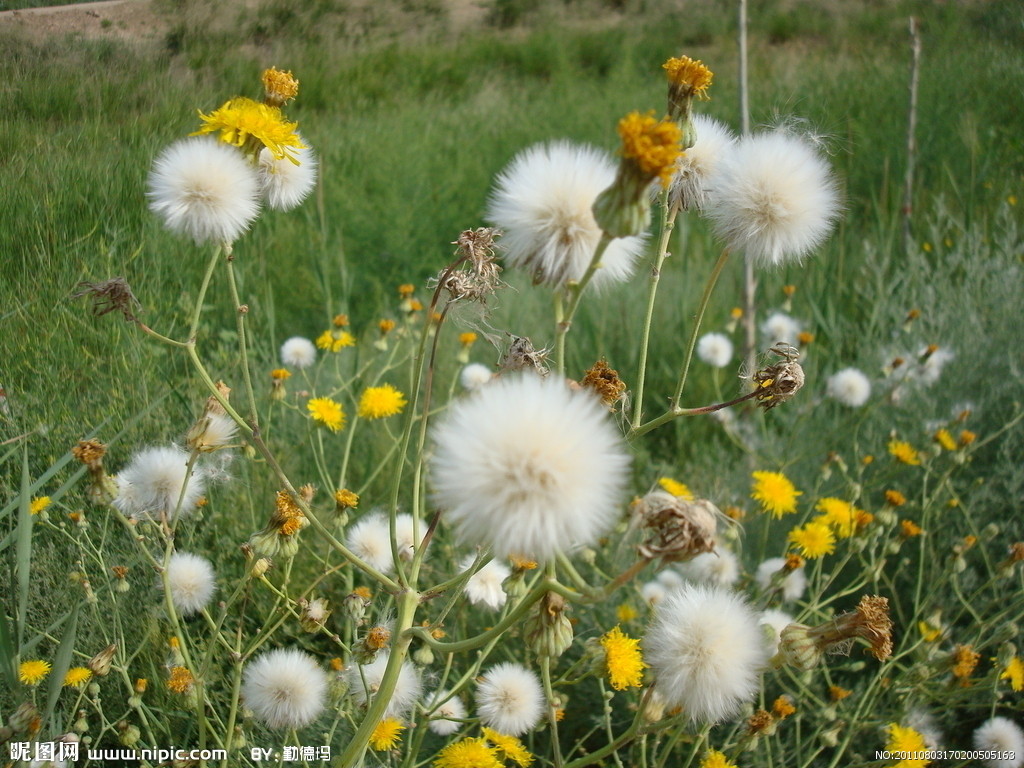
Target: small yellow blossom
[(838, 693), (467, 339), (967, 437), (904, 452), (653, 145), (346, 499), (405, 290), (841, 515), (510, 747), (76, 677), (928, 633), (909, 529), (736, 313), (1011, 199), (1014, 672), (926, 247), (868, 459), (340, 321), (386, 326), (335, 341), (626, 613), (180, 680), (776, 494), (280, 374), (965, 659), (676, 488), (805, 338), (814, 540), (33, 671), (386, 734), (363, 592), (468, 753), (895, 498), (716, 759), (279, 87), (39, 504), (623, 662), (909, 741), (692, 76), (520, 563), (943, 438), (251, 126), (328, 412), (381, 402)]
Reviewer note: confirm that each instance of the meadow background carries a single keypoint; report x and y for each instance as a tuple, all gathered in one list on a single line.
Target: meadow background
[(413, 107)]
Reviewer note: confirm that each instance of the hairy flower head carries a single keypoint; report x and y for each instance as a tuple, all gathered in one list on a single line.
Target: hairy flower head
[(814, 540), (904, 453), (279, 87), (284, 688), (651, 144), (381, 402), (509, 699), (190, 580), (328, 412), (689, 76), (251, 126), (775, 492), (386, 734), (32, 671), (623, 661)]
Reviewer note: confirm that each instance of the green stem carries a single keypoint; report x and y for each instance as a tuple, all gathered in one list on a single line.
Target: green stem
[(575, 293), (545, 676), (193, 326), (704, 300), (240, 312)]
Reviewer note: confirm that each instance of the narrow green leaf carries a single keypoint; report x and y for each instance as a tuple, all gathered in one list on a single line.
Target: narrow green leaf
[(62, 662), (7, 653), (23, 559)]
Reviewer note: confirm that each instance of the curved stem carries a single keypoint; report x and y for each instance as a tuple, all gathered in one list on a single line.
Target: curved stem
[(197, 312), (240, 312), (704, 300)]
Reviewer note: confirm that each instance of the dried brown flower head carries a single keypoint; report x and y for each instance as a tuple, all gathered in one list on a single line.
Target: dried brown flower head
[(965, 659), (110, 295), (90, 453), (777, 383), (605, 381), (680, 529), (478, 276), (522, 355)]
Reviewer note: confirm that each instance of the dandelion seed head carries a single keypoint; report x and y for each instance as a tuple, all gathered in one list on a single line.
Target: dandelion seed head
[(850, 387), (286, 184), (1004, 735), (152, 483), (298, 352), (695, 169), (509, 699), (475, 375), (408, 685), (720, 566), (191, 581), (444, 721), (780, 327), (715, 349), (484, 586), (284, 688), (793, 584)]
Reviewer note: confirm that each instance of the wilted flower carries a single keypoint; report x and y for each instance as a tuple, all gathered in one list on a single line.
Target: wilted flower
[(680, 528)]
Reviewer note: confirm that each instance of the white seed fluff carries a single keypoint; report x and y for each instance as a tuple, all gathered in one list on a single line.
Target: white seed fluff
[(925, 724), (484, 586), (930, 370), (542, 202), (707, 651), (670, 578), (475, 375), (774, 198), (653, 592), (715, 349), (1004, 735), (850, 387), (191, 582), (509, 699), (793, 584), (284, 688), (151, 484), (408, 686), (719, 567), (370, 540), (776, 621), (220, 431), (695, 169), (529, 467), (779, 326), (298, 352), (284, 184), (443, 721), (204, 189)]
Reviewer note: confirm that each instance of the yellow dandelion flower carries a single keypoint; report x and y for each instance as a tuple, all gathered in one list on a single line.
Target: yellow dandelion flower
[(689, 75), (965, 659), (838, 693), (716, 759), (251, 125), (467, 339), (909, 529), (908, 740), (813, 540), (76, 677), (405, 290), (279, 87), (363, 592), (869, 459), (967, 437), (468, 753), (510, 747), (280, 374), (652, 144), (841, 515), (38, 504), (180, 680), (335, 341), (926, 247), (895, 498), (520, 563), (904, 452), (33, 671), (386, 734), (622, 659), (328, 412), (346, 499), (626, 613), (1011, 199), (1014, 672), (775, 493), (676, 488), (381, 402), (340, 321), (943, 438), (928, 633)]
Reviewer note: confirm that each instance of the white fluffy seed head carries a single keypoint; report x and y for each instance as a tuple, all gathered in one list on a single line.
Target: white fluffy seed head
[(779, 326), (776, 621), (850, 387), (715, 349), (542, 202), (926, 725), (930, 370), (1004, 735), (653, 592), (774, 198), (284, 184), (408, 686), (191, 582), (205, 189), (670, 578), (484, 586), (151, 484), (443, 721), (298, 352), (509, 699), (793, 584), (695, 169), (284, 688), (529, 467), (707, 651), (720, 567), (370, 539), (475, 375)]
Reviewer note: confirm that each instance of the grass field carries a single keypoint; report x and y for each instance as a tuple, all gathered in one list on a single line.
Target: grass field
[(412, 108)]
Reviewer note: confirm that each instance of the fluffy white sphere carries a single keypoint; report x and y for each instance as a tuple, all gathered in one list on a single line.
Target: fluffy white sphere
[(484, 586), (707, 651), (203, 188), (779, 326), (408, 686), (719, 567), (298, 352), (284, 688), (475, 375), (653, 592), (509, 699), (793, 584), (692, 182), (715, 349), (152, 483), (1003, 735), (542, 202), (284, 184), (774, 198), (191, 582), (444, 720), (529, 467), (850, 387), (370, 539)]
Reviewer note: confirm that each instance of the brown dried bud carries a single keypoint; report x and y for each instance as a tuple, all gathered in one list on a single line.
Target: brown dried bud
[(777, 383), (108, 296), (522, 355), (100, 663), (681, 529), (604, 381)]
